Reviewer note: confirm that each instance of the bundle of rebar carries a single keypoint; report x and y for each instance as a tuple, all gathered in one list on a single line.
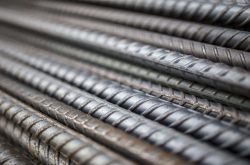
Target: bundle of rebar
[(120, 82)]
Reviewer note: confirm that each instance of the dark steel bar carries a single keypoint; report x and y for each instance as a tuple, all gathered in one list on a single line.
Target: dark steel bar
[(204, 71), (222, 14), (166, 113), (13, 155), (76, 148), (145, 129), (111, 137), (128, 68), (225, 37)]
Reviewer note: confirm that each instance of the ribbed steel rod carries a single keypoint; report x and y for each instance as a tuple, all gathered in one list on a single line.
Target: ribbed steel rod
[(114, 64), (164, 112), (197, 49), (93, 128), (225, 37), (40, 150), (13, 155), (222, 14), (129, 122), (190, 101), (218, 75), (71, 145)]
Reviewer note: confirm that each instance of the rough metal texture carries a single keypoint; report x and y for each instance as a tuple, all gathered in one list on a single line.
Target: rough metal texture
[(214, 109), (225, 37), (103, 133), (204, 71), (128, 68), (197, 49), (40, 150), (237, 16), (12, 155), (167, 113), (129, 122), (158, 110), (73, 148)]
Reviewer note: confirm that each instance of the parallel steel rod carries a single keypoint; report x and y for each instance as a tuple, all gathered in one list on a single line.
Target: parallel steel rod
[(128, 68), (164, 112), (73, 146), (129, 122), (215, 35), (219, 14), (204, 71), (93, 128), (214, 109)]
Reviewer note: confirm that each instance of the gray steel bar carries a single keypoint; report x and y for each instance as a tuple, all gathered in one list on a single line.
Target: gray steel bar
[(204, 71), (145, 129)]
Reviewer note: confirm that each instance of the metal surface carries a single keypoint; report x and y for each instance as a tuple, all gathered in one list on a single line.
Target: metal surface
[(211, 108), (125, 82), (197, 49), (145, 129), (189, 67), (131, 69), (222, 14), (12, 155), (74, 148), (150, 107), (215, 35), (107, 135)]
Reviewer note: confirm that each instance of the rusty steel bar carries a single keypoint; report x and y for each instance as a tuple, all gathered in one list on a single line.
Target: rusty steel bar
[(76, 148), (222, 14), (128, 68), (129, 122), (204, 71), (184, 120), (93, 128), (225, 37)]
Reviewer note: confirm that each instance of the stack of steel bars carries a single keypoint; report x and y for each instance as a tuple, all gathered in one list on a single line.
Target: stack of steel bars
[(115, 82)]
